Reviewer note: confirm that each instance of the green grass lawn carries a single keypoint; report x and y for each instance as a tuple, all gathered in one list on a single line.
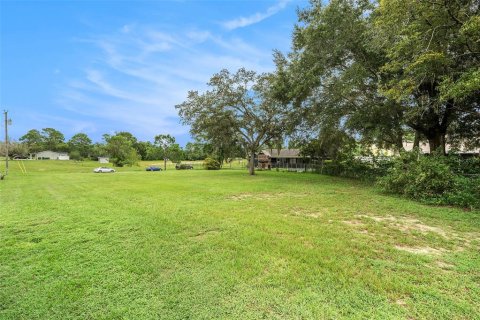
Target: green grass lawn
[(224, 245)]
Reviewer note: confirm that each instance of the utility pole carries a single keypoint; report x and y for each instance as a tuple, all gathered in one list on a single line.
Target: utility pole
[(7, 122)]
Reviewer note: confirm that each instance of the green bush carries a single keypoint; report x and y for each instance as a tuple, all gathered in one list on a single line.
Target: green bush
[(75, 155), (432, 179), (182, 166), (368, 168), (211, 164), (464, 166), (466, 193)]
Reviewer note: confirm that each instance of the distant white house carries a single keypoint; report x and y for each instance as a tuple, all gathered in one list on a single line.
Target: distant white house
[(425, 148), (51, 155), (103, 159)]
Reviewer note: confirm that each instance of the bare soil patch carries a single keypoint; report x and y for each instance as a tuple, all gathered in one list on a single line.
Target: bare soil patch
[(265, 196), (444, 265), (420, 250), (354, 223), (407, 224), (296, 211)]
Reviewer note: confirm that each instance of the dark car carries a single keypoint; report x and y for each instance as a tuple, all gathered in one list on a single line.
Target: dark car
[(153, 168)]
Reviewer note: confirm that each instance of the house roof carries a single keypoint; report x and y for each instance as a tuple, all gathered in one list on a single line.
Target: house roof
[(284, 153)]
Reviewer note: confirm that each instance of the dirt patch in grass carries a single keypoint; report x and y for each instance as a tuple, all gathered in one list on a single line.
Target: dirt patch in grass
[(443, 265), (407, 224), (468, 239), (265, 196), (463, 240), (302, 212), (354, 223), (421, 250), (400, 302)]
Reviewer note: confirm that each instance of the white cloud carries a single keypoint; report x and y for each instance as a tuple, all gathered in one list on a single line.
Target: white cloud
[(127, 28), (136, 78), (256, 17)]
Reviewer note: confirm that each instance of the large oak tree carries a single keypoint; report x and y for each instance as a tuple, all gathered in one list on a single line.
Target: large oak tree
[(238, 107), (380, 70)]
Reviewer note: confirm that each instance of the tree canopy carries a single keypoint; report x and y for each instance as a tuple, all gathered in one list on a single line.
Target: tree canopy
[(238, 108), (379, 71), (120, 149), (80, 143), (170, 150)]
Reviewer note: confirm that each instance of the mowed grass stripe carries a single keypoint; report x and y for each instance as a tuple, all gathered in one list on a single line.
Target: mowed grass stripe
[(221, 244)]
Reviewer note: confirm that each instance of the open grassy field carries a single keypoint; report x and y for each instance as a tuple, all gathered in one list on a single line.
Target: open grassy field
[(223, 245)]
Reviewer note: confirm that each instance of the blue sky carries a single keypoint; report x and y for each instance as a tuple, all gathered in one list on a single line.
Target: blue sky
[(104, 66)]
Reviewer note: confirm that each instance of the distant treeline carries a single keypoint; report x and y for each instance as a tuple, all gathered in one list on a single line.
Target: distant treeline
[(123, 146)]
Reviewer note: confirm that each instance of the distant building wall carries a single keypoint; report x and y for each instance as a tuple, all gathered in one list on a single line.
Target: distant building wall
[(52, 155), (424, 148), (103, 160)]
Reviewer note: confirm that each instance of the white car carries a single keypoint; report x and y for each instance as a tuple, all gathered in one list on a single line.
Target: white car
[(103, 169)]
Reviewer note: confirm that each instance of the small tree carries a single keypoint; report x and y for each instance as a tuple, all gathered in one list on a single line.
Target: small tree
[(211, 164), (165, 142), (120, 150), (81, 145)]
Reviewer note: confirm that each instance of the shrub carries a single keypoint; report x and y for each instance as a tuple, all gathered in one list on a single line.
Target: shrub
[(366, 168), (211, 164), (464, 166), (182, 166), (432, 179), (75, 155), (466, 192)]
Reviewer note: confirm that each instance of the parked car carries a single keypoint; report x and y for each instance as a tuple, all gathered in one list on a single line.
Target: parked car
[(103, 170), (153, 168), (182, 166)]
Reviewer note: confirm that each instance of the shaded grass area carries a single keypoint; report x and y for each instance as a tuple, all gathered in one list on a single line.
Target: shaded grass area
[(221, 244)]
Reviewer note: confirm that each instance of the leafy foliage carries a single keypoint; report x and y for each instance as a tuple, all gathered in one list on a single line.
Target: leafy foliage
[(183, 166), (433, 179), (80, 144), (33, 140), (169, 149), (53, 140), (121, 151), (238, 109), (15, 149), (211, 164), (379, 70), (365, 168)]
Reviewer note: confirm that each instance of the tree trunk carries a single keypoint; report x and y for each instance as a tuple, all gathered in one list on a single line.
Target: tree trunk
[(416, 140), (251, 165), (437, 142), (165, 164), (399, 144)]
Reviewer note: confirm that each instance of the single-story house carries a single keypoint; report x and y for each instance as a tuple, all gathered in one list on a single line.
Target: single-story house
[(273, 158), (103, 159), (51, 155)]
